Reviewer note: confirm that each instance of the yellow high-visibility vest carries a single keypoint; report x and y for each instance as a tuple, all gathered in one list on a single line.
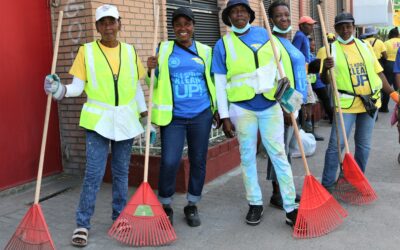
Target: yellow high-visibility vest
[(111, 108)]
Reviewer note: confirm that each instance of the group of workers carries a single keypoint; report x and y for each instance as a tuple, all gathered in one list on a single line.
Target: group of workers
[(195, 85)]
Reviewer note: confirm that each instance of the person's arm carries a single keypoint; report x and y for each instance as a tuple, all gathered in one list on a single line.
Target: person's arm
[(140, 100), (75, 88)]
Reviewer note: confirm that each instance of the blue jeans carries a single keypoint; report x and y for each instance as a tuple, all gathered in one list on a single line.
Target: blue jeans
[(270, 123), (97, 148), (362, 139), (196, 130)]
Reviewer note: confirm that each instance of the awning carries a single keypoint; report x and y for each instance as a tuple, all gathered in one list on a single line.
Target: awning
[(373, 12)]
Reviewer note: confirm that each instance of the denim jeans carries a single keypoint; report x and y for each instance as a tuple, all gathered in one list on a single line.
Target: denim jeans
[(196, 131), (364, 126), (97, 148), (270, 123)]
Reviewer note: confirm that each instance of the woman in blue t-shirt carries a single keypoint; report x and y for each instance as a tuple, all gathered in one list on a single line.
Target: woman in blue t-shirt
[(185, 85), (279, 13)]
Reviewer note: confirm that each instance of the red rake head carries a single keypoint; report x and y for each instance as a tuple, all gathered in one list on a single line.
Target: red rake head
[(352, 185), (319, 213), (32, 232), (143, 221)]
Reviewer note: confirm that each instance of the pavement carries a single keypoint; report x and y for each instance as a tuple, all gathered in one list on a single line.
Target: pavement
[(223, 208)]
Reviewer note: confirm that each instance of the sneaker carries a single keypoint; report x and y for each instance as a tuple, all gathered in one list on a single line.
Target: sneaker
[(291, 217), (254, 215), (318, 137), (169, 212), (277, 202), (192, 216)]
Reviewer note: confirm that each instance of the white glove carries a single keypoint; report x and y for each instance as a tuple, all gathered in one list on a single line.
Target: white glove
[(153, 131), (52, 85)]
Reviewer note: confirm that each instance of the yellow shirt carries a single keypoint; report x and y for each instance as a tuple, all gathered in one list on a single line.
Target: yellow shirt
[(378, 47), (78, 68), (392, 45), (358, 74)]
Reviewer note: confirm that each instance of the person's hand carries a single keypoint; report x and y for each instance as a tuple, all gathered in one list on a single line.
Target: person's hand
[(395, 96), (328, 63), (216, 121), (53, 85), (151, 62), (286, 118), (153, 131), (228, 128)]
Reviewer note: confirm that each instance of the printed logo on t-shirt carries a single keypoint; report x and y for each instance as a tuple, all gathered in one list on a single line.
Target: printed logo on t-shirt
[(188, 84), (256, 45), (174, 62), (358, 71), (197, 60)]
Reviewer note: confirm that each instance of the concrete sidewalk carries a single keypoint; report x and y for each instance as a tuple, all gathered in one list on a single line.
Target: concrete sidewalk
[(223, 208)]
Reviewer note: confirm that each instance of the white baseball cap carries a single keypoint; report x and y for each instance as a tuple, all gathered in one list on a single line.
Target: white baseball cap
[(106, 10)]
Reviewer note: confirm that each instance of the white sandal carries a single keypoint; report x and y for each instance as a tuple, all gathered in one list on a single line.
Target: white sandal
[(80, 237)]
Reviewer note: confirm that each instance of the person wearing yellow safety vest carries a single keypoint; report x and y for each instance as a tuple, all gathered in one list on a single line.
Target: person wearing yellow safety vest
[(109, 72), (245, 75), (359, 79), (392, 46), (295, 69), (184, 105)]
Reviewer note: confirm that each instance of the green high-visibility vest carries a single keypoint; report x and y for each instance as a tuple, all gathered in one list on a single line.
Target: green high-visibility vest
[(242, 63), (343, 77), (162, 95), (111, 109)]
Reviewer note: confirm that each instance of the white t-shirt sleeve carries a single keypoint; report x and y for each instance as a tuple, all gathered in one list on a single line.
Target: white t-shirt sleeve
[(220, 84), (140, 101), (75, 88)]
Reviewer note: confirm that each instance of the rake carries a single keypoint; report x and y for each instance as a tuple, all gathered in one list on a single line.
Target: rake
[(352, 186), (32, 232), (143, 221), (319, 213)]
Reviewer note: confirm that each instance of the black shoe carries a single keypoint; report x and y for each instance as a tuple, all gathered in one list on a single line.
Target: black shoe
[(291, 218), (384, 110), (318, 137), (192, 216), (277, 202), (254, 215), (170, 213)]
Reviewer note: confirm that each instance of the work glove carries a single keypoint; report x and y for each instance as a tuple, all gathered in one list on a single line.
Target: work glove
[(153, 131), (52, 85), (289, 98)]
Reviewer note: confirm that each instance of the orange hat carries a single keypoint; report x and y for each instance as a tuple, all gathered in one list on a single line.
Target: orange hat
[(306, 19)]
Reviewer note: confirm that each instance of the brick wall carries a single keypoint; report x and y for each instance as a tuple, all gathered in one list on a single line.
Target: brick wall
[(137, 29)]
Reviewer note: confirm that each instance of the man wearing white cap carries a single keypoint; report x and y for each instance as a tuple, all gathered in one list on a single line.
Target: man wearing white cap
[(109, 72)]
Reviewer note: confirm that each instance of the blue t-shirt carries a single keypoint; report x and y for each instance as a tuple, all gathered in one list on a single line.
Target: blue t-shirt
[(188, 81), (396, 66), (298, 67), (301, 41), (254, 39)]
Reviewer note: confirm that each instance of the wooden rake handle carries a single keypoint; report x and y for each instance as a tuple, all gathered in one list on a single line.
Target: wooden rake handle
[(150, 102), (48, 109), (282, 74), (332, 79)]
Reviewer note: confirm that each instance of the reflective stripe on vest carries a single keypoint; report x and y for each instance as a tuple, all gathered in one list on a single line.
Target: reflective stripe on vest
[(243, 82), (99, 113), (343, 77), (162, 108)]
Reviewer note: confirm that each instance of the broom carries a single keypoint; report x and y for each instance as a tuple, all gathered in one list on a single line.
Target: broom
[(318, 213), (143, 221), (352, 186), (32, 232)]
